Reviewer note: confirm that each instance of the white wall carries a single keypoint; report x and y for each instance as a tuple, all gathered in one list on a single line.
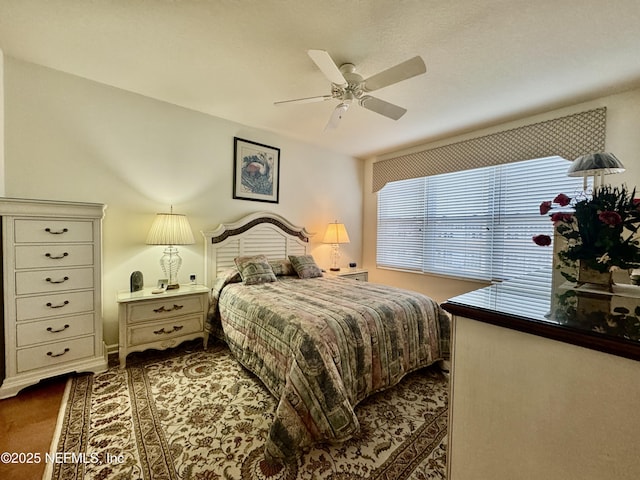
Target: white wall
[(623, 123), (68, 138), (1, 122)]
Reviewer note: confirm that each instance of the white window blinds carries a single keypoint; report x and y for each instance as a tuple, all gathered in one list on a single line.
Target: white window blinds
[(475, 223)]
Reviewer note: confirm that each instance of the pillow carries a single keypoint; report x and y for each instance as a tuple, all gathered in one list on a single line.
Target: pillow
[(305, 266), (254, 269), (282, 268)]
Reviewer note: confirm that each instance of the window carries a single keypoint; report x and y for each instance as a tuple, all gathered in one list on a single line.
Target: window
[(475, 223)]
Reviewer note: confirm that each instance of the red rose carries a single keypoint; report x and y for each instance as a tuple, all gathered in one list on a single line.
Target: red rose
[(562, 217), (610, 218), (545, 207), (562, 200), (542, 240)]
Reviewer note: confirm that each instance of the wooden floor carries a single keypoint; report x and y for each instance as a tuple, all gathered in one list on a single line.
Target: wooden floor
[(27, 424)]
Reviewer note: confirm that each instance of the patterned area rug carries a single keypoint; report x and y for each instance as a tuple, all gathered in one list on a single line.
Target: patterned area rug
[(194, 414)]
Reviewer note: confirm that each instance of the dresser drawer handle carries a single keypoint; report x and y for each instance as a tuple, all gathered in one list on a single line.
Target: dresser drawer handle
[(50, 305), (51, 330), (162, 309), (56, 257), (56, 232), (48, 279), (51, 354), (176, 328)]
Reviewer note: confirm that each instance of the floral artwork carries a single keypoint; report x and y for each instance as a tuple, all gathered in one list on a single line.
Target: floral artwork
[(601, 229), (256, 173)]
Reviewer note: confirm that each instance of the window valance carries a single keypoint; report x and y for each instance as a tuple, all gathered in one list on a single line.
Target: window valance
[(568, 137)]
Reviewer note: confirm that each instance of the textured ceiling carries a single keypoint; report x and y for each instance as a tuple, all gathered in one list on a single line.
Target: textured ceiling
[(487, 61)]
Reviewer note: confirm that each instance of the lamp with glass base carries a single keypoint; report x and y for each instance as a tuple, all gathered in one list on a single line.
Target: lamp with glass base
[(335, 235), (595, 165), (170, 229)]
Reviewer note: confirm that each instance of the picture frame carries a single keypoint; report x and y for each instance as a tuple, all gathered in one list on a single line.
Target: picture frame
[(163, 283), (256, 171)]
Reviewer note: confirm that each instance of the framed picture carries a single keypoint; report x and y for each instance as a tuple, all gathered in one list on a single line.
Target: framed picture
[(163, 283), (256, 171)]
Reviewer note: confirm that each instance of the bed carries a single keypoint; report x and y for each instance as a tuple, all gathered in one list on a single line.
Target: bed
[(320, 344)]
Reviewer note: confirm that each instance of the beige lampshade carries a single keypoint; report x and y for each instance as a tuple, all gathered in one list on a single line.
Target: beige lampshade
[(336, 233), (170, 229)]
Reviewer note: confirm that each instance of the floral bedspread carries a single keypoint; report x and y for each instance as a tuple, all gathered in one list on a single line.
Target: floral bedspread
[(322, 345)]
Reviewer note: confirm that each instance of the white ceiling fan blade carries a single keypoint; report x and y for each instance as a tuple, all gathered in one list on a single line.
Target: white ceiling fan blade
[(383, 108), (336, 116), (327, 66), (402, 71), (320, 98)]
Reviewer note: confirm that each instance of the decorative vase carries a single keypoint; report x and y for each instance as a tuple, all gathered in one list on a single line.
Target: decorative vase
[(586, 274)]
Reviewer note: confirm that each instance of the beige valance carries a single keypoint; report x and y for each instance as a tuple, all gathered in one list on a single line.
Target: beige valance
[(568, 137)]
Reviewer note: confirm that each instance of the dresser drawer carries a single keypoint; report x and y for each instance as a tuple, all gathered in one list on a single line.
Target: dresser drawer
[(41, 281), (167, 307), (54, 329), (54, 353), (159, 331), (39, 256), (53, 231), (54, 305)]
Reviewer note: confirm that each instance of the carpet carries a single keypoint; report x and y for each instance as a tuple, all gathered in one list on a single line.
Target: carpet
[(194, 414)]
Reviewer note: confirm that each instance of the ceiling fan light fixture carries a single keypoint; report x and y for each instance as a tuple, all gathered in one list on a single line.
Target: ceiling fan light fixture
[(336, 116)]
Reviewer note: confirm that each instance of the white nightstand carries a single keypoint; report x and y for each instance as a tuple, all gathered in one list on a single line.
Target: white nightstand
[(162, 320), (352, 273)]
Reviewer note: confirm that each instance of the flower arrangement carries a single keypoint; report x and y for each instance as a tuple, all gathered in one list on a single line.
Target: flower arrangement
[(601, 230)]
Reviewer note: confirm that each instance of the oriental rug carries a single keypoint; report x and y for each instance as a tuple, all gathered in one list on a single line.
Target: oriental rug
[(194, 414)]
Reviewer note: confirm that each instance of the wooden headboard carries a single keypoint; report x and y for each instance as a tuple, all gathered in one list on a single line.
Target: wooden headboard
[(258, 233)]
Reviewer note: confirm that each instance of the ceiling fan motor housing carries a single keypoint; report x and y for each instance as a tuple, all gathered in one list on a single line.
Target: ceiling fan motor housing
[(354, 87)]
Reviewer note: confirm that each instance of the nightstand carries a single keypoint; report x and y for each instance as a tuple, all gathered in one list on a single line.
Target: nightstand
[(352, 273), (162, 320)]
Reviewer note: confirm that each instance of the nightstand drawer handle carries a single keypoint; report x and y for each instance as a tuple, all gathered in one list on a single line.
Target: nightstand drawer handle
[(56, 232), (176, 328), (162, 309), (56, 257), (51, 354), (48, 279), (50, 305), (51, 330)]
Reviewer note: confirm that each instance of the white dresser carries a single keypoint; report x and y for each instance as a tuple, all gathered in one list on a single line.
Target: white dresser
[(52, 291)]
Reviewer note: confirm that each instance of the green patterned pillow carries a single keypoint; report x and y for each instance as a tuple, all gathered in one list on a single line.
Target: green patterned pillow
[(255, 269), (282, 267), (305, 266)]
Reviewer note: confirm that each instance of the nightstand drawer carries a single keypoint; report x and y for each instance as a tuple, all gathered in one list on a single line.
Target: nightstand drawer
[(159, 331), (54, 329), (42, 281), (39, 256), (54, 353), (164, 308), (53, 231), (45, 306), (362, 276)]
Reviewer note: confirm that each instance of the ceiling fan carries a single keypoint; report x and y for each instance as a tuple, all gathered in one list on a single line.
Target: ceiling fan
[(349, 86)]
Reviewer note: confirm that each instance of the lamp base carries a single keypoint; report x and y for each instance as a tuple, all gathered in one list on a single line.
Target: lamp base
[(175, 286)]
